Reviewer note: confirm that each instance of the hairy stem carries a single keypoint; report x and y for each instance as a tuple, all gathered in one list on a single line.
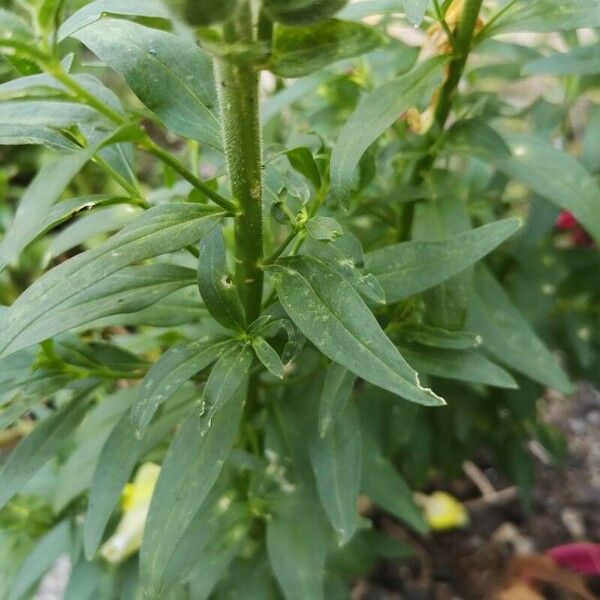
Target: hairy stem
[(238, 98)]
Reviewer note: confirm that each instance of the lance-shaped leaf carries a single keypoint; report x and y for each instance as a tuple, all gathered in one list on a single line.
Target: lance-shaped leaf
[(121, 452), (34, 135), (556, 176), (117, 460), (38, 448), (332, 315), (58, 541), (384, 485), (95, 10), (189, 471), (224, 379), (415, 10), (336, 462), (578, 61), (130, 290), (337, 390), (299, 12), (268, 356), (90, 226), (378, 111), (170, 75), (36, 113), (545, 16), (463, 365), (547, 171), (216, 285), (508, 336), (299, 51), (160, 230), (411, 267), (202, 13), (359, 9), (173, 369), (35, 206), (298, 538)]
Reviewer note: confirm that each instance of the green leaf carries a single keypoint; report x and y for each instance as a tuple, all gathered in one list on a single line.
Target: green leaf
[(58, 541), (508, 336), (219, 555), (75, 474), (465, 365), (41, 385), (21, 135), (336, 461), (94, 224), (217, 288), (545, 16), (159, 230), (116, 463), (547, 171), (299, 51), (202, 13), (440, 338), (225, 378), (337, 321), (302, 160), (411, 267), (297, 542), (443, 218), (38, 448), (118, 458), (268, 356), (591, 141), (131, 289), (384, 485), (189, 471), (95, 10), (170, 75), (415, 10), (324, 228), (38, 113), (345, 256), (335, 395), (178, 365), (36, 204), (359, 9), (214, 522), (577, 61), (378, 111), (556, 176), (85, 582), (301, 12)]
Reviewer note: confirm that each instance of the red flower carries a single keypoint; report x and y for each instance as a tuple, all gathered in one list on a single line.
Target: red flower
[(566, 220)]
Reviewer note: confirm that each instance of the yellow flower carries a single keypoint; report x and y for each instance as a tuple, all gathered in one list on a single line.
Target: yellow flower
[(443, 511), (135, 503)]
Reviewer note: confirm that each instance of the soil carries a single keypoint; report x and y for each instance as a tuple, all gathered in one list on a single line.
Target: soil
[(472, 563)]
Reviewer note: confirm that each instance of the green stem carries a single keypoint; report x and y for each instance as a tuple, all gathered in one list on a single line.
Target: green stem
[(463, 39), (147, 143), (444, 24), (167, 158), (280, 250), (239, 99)]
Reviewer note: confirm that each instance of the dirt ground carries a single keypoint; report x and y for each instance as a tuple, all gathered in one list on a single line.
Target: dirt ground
[(471, 564)]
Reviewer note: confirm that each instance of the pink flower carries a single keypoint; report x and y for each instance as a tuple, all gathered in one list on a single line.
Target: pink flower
[(583, 558)]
